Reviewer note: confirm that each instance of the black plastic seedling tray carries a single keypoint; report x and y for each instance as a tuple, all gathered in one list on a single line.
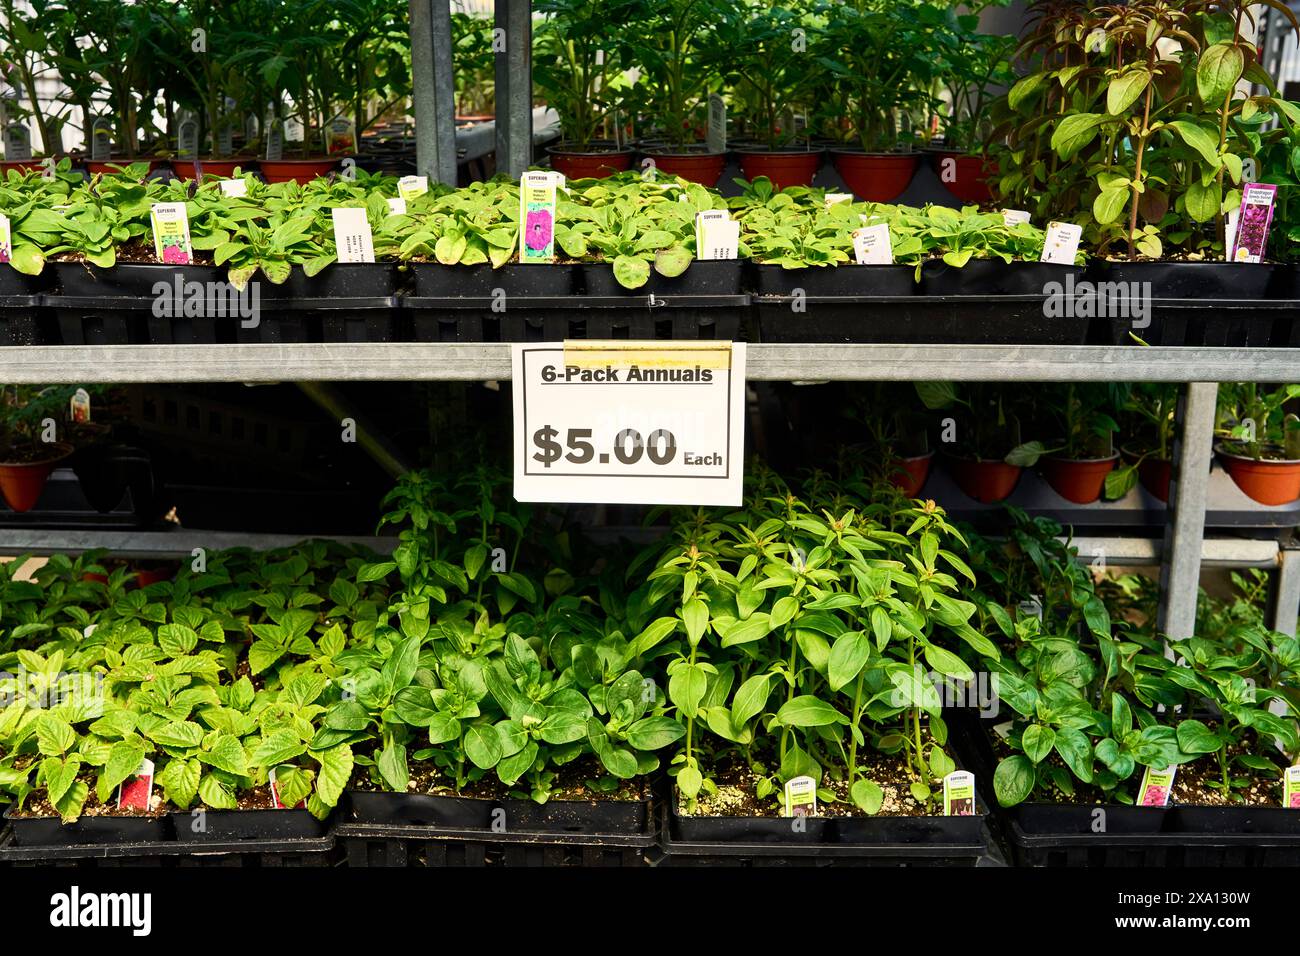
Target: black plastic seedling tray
[(252, 853), (1236, 323), (551, 319), (375, 845), (374, 319), (20, 320)]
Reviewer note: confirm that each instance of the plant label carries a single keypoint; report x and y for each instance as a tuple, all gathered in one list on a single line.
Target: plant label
[(1033, 607), (1062, 243), (275, 793), (408, 187), (79, 406), (101, 139), (1014, 217), (187, 139), (352, 236), (1253, 219), (171, 233), (136, 791), (234, 187), (293, 130), (717, 235), (833, 198), (801, 797), (625, 422), (1157, 785), (6, 240), (872, 247), (341, 139), (537, 203), (959, 794), (1291, 788), (251, 128), (18, 142), (717, 132), (274, 142), (397, 206), (226, 140)]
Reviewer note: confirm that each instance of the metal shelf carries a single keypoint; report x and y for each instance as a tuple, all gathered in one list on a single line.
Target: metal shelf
[(413, 361)]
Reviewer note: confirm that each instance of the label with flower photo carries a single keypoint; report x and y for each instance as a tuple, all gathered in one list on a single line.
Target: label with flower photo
[(79, 406), (1291, 788), (275, 787), (6, 240), (537, 202), (1156, 787), (1250, 238), (101, 139), (408, 187), (171, 233), (959, 794), (136, 791), (801, 797)]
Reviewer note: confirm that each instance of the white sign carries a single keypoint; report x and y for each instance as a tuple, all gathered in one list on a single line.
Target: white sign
[(871, 245), (1062, 243), (833, 198), (717, 133), (409, 187), (101, 139), (234, 187), (18, 142), (629, 422), (397, 206), (352, 236), (187, 139), (717, 235), (1013, 217), (274, 142)]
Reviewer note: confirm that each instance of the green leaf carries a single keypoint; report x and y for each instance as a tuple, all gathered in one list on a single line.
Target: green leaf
[(391, 764), (687, 687), (335, 772), (123, 760), (1196, 738), (808, 711), (483, 746), (947, 663), (215, 794), (1217, 72), (695, 614), (849, 654), (1037, 741), (1013, 780), (867, 795), (180, 781), (651, 733), (1109, 204), (630, 272), (176, 640), (226, 754), (750, 699), (1203, 201), (1199, 139), (278, 747), (1124, 89), (1075, 132), (54, 737)]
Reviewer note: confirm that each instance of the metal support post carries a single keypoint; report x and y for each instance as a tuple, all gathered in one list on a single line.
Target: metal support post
[(514, 85), (433, 90)]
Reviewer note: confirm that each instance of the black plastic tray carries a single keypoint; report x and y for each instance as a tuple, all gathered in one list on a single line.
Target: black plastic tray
[(240, 826), (20, 320), (375, 845), (1239, 323), (268, 853), (51, 832), (470, 813)]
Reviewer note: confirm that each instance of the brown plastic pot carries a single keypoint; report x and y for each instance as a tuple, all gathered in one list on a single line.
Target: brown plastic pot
[(105, 167), (985, 481), (1268, 482), (1154, 474), (970, 174), (147, 576), (875, 177), (589, 163), (697, 166), (909, 474), (784, 167), (1078, 479), (299, 170), (223, 168), (21, 165), (21, 483)]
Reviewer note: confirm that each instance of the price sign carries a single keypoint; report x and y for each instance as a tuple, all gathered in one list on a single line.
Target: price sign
[(629, 422)]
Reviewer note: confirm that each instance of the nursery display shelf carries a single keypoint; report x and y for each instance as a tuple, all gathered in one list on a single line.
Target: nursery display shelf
[(180, 542), (407, 361)]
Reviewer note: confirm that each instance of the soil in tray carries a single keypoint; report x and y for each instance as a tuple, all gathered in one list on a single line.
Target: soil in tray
[(140, 253), (39, 807), (737, 782), (570, 785)]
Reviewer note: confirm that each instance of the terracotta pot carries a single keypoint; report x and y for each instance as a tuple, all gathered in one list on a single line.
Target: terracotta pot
[(475, 118), (697, 166), (21, 483), (875, 177), (224, 168), (785, 167), (105, 167), (299, 170), (909, 474), (21, 165), (1155, 475), (1078, 479), (589, 163), (985, 481), (147, 576), (1268, 482), (964, 175)]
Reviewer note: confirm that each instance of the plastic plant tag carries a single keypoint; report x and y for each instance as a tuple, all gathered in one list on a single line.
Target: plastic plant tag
[(1291, 788), (871, 245), (341, 139), (717, 132), (187, 139), (79, 406), (959, 794), (717, 235), (1062, 243), (801, 797), (1156, 787), (274, 142), (352, 235), (234, 187), (18, 142), (293, 130), (408, 187), (226, 140), (397, 206), (171, 233), (1032, 607), (275, 793), (1253, 219), (832, 198), (101, 139), (135, 791), (6, 239), (537, 200), (1014, 217)]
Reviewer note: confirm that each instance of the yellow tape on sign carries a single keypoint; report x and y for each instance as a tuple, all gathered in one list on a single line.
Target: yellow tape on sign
[(588, 353)]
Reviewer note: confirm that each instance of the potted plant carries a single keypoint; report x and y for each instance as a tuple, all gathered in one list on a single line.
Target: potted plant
[(988, 455), (1149, 455), (29, 445), (582, 77), (1259, 444), (1077, 467), (768, 67), (880, 64), (667, 45), (899, 437)]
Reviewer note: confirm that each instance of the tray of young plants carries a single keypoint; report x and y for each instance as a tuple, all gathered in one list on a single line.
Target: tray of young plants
[(1106, 750), (177, 718)]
